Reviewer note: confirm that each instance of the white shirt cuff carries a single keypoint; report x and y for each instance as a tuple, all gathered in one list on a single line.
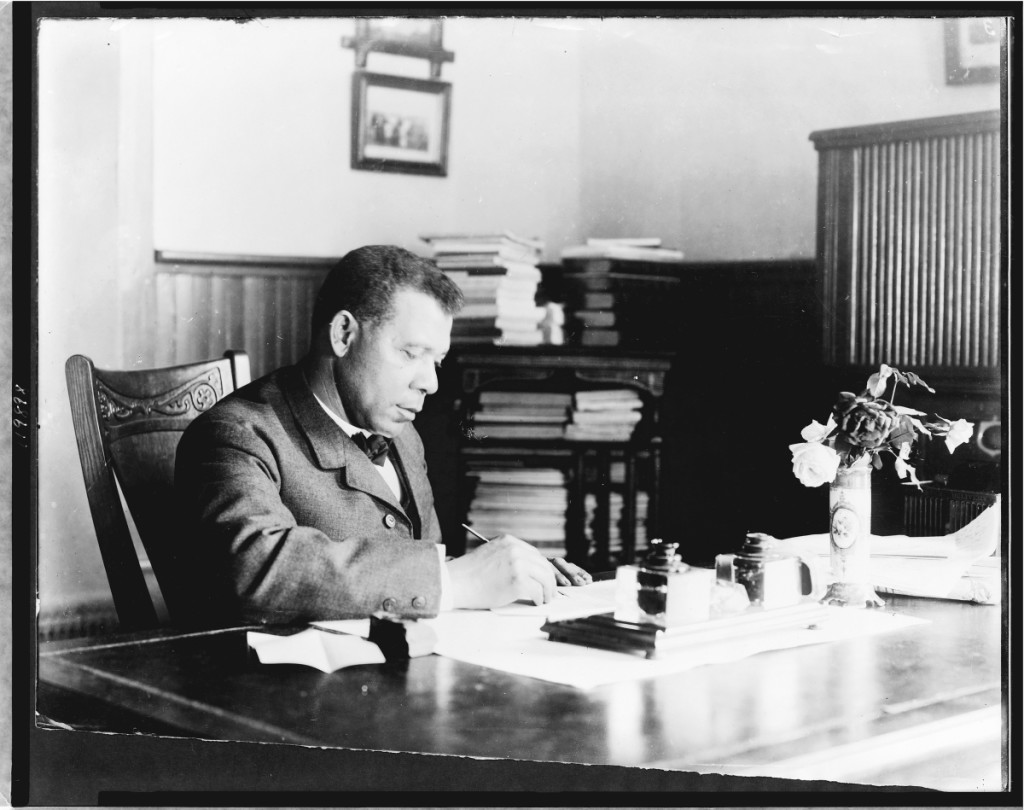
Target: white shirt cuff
[(447, 600)]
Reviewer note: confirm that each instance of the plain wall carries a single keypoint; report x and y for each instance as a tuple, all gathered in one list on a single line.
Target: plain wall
[(697, 130), (78, 283), (211, 136), (252, 139)]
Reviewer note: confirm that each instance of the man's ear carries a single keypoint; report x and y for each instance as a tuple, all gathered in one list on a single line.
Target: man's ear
[(343, 330)]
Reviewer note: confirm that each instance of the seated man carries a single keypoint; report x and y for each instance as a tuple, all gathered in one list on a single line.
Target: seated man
[(305, 493)]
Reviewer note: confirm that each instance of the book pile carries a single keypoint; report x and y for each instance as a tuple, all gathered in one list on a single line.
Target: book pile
[(498, 276), (619, 291), (527, 502), (641, 249), (553, 325), (521, 415), (615, 500), (608, 415)]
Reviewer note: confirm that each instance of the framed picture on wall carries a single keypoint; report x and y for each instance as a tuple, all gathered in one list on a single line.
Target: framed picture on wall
[(400, 124), (973, 48)]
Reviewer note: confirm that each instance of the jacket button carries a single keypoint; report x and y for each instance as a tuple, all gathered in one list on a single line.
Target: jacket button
[(419, 602), (389, 605), (389, 521)]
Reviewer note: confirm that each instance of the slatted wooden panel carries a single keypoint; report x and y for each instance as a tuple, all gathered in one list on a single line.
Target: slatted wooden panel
[(909, 242), (933, 512), (204, 308)]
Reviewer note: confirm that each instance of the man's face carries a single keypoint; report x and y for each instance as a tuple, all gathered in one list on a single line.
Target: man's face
[(390, 367)]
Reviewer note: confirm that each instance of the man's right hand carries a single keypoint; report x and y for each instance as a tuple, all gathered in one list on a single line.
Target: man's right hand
[(500, 572)]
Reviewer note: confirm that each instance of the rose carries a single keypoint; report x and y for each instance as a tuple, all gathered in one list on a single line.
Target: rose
[(864, 421), (817, 432), (814, 463), (960, 431)]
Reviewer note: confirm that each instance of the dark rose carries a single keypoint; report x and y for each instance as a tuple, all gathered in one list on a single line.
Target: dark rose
[(864, 421)]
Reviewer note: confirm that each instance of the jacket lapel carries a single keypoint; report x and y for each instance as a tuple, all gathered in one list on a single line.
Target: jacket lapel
[(419, 492), (331, 448)]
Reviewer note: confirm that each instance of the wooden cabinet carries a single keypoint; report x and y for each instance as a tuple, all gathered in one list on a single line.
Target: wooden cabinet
[(588, 464)]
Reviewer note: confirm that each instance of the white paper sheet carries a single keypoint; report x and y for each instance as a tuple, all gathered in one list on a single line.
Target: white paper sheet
[(924, 566), (510, 639), (315, 648), (585, 600)]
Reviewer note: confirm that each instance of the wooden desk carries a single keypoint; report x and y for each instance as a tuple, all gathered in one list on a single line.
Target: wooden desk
[(920, 706)]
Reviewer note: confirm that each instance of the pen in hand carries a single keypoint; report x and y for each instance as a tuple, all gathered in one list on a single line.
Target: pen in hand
[(565, 573)]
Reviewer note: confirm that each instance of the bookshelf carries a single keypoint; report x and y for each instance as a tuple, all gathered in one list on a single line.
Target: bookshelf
[(616, 474)]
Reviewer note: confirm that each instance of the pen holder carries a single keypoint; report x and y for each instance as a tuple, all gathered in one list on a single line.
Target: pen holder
[(663, 590), (772, 579)]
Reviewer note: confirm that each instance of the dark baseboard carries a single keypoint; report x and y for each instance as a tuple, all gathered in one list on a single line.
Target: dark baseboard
[(79, 621)]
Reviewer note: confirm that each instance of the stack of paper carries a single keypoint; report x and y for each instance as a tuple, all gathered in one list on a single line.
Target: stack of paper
[(955, 566), (498, 276), (520, 415), (529, 503), (646, 249), (615, 503), (608, 415)]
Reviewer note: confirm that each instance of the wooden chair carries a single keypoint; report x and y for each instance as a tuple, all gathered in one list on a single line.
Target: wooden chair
[(127, 426)]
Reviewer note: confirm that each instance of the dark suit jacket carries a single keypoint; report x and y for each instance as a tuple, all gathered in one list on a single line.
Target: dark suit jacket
[(287, 520)]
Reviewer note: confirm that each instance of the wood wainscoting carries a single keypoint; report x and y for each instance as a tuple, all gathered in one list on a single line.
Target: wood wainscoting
[(910, 222), (206, 304)]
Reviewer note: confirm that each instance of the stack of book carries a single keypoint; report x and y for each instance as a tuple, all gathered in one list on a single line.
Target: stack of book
[(498, 276), (604, 415), (527, 502), (521, 415), (616, 289), (615, 521), (640, 249)]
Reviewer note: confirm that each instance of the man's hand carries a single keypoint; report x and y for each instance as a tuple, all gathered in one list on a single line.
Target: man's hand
[(567, 573), (500, 572)]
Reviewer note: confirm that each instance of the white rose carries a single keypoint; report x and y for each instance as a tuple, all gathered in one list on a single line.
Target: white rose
[(816, 432), (960, 431), (814, 464)]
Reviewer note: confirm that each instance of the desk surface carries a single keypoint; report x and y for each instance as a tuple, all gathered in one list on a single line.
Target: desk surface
[(919, 706)]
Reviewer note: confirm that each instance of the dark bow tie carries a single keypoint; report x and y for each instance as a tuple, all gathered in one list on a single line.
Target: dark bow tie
[(376, 447)]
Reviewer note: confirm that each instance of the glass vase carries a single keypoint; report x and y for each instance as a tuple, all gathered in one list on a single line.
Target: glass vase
[(849, 503)]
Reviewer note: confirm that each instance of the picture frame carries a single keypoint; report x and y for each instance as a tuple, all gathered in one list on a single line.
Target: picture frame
[(400, 124), (417, 37), (973, 49)]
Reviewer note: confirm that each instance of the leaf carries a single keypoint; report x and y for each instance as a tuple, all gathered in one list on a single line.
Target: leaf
[(876, 461), (918, 381), (902, 432), (844, 448)]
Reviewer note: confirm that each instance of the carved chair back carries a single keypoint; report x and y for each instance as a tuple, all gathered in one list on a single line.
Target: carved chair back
[(127, 427)]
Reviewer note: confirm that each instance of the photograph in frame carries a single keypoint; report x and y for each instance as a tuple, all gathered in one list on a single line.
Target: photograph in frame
[(974, 50), (400, 124)]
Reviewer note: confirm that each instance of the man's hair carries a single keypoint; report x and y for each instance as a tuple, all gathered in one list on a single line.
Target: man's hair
[(366, 279)]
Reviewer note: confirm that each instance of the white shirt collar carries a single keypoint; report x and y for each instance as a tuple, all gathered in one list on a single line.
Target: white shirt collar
[(350, 429)]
